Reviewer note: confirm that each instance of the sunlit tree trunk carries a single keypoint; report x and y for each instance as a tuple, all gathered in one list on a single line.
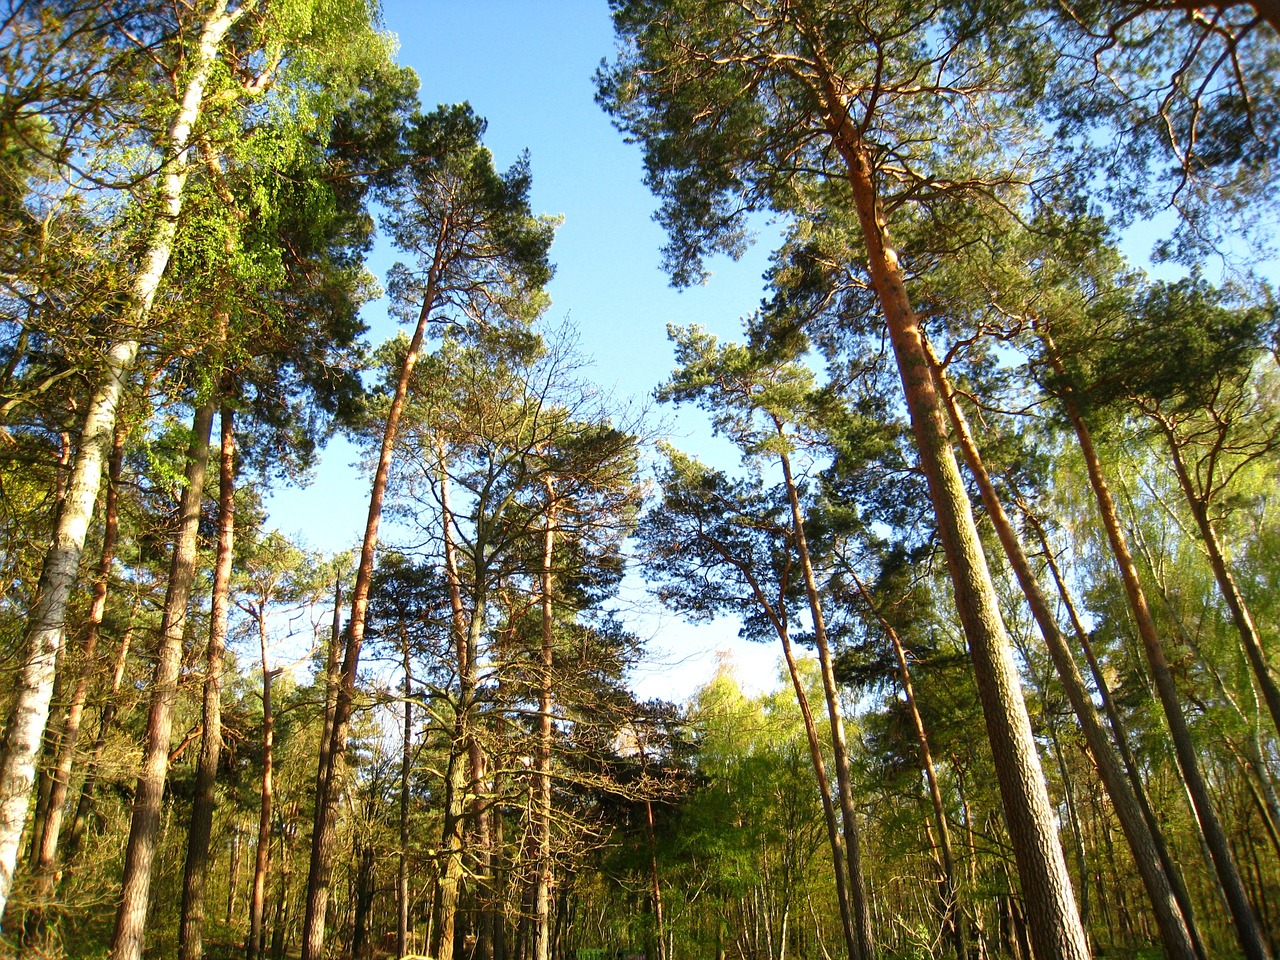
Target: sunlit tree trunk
[(859, 895), (144, 829), (1241, 616), (47, 858), (47, 619), (1215, 839), (951, 895), (1055, 922), (1174, 926), (542, 760), (406, 769), (326, 821), (200, 828)]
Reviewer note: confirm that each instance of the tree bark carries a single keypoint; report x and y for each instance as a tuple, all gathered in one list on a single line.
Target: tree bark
[(200, 829), (144, 829), (955, 916), (1174, 927), (323, 836), (47, 620), (1118, 733), (406, 769), (1215, 839), (47, 858), (1055, 922)]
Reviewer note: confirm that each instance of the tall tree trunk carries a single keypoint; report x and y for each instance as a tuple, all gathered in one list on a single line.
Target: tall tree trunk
[(1055, 922), (262, 853), (47, 620), (542, 761), (47, 858), (326, 821), (1118, 733), (1241, 616), (200, 828), (144, 829), (655, 884), (1174, 927), (838, 859), (954, 920), (1214, 837), (452, 845), (861, 900)]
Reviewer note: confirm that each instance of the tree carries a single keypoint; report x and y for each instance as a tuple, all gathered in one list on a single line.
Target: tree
[(735, 106), (768, 405), (189, 57), (479, 258)]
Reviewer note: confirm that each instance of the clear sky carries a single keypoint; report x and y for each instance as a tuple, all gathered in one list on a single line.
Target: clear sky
[(527, 66)]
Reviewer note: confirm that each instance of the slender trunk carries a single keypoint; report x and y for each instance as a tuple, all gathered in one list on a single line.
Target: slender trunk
[(262, 854), (324, 835), (144, 828), (1055, 922), (47, 620), (1174, 926), (451, 867), (861, 901), (954, 916), (542, 762), (1118, 734), (233, 882), (452, 845), (655, 884), (1241, 616), (838, 859), (1214, 837), (406, 769), (46, 861), (200, 828)]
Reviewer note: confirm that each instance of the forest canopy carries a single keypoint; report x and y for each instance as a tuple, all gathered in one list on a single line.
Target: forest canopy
[(997, 490)]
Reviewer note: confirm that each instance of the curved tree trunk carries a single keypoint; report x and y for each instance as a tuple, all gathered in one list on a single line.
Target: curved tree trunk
[(1214, 837), (47, 620), (201, 824), (1241, 616), (144, 828)]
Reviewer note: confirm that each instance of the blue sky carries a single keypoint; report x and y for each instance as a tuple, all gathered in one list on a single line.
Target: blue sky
[(527, 67)]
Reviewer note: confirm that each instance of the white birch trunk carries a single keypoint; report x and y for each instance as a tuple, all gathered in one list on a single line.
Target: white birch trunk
[(46, 623)]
